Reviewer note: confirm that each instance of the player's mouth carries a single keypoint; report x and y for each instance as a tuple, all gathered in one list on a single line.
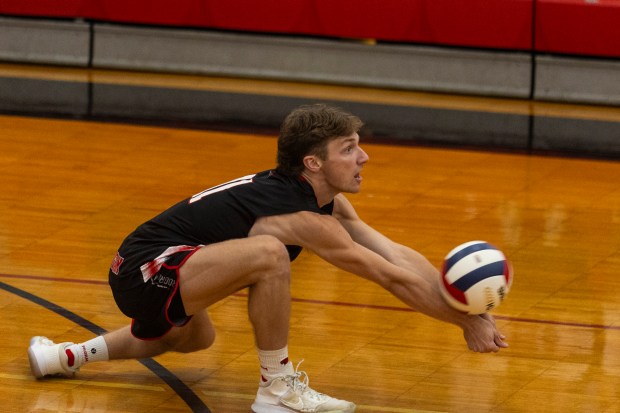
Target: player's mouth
[(358, 177)]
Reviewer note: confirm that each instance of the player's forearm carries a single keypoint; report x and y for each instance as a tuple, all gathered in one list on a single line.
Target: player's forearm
[(421, 293), (413, 261)]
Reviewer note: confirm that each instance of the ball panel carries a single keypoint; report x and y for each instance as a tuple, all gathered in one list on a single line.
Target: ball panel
[(453, 292), (487, 295), (508, 273), (479, 274), (464, 250), (460, 306)]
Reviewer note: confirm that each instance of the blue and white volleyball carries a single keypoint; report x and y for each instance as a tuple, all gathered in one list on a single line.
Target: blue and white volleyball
[(476, 277)]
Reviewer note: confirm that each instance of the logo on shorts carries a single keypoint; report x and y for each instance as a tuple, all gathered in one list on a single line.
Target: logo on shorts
[(116, 263), (162, 281)]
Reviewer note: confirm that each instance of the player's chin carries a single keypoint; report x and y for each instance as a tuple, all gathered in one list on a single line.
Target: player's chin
[(351, 187)]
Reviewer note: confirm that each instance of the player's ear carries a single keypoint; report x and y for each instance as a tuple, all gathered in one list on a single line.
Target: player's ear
[(312, 163)]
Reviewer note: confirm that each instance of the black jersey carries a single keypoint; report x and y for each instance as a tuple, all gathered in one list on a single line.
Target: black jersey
[(225, 212)]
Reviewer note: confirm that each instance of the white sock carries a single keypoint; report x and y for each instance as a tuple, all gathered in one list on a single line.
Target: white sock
[(274, 363), (91, 350)]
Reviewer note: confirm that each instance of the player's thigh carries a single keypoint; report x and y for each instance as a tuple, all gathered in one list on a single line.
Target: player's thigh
[(219, 270)]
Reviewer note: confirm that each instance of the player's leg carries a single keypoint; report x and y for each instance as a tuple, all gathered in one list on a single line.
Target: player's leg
[(49, 358), (207, 276), (215, 272), (197, 334), (260, 263), (211, 274)]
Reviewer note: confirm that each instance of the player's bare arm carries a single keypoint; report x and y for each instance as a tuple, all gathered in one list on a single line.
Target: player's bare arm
[(399, 255), (372, 239), (324, 235)]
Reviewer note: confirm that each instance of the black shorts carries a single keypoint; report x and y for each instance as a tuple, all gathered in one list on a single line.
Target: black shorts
[(145, 285)]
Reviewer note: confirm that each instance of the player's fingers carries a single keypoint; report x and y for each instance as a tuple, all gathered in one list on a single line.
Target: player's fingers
[(502, 344), (491, 348), (491, 319), (499, 341)]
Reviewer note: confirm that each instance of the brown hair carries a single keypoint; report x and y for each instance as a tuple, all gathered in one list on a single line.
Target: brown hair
[(307, 130)]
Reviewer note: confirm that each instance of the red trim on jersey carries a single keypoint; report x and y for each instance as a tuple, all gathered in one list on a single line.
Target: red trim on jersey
[(176, 268)]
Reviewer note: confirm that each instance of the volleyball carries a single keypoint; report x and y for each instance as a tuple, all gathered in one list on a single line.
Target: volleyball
[(476, 277)]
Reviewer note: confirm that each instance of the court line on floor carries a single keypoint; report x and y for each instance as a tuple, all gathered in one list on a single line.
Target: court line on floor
[(181, 389), (347, 304)]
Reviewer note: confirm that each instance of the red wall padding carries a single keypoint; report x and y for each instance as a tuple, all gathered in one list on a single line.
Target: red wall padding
[(578, 27), (505, 24), (476, 23), (58, 8), (588, 27)]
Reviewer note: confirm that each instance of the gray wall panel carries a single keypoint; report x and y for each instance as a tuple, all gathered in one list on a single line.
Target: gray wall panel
[(578, 80), (43, 41), (303, 59)]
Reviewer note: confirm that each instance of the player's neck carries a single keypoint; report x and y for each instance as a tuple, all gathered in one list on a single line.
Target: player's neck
[(323, 192)]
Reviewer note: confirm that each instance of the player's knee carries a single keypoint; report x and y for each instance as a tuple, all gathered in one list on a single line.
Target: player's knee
[(273, 254)]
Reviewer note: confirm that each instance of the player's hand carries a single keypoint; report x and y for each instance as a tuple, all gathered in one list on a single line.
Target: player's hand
[(499, 337), (482, 336)]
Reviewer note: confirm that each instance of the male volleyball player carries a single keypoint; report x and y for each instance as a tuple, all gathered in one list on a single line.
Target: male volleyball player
[(243, 234)]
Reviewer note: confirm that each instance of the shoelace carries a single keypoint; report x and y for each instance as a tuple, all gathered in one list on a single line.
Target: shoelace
[(300, 382)]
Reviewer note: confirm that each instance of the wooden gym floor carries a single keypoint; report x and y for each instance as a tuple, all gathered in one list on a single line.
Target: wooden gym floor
[(71, 189)]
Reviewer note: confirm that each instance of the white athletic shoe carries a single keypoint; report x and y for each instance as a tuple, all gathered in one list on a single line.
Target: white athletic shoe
[(290, 394), (47, 358)]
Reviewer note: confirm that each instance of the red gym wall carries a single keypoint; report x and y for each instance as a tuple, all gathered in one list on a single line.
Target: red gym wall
[(574, 27)]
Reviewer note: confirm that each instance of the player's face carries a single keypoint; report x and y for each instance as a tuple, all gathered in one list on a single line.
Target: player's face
[(344, 163)]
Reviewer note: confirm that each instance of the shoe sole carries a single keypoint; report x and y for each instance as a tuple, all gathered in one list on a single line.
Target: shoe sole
[(269, 408)]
